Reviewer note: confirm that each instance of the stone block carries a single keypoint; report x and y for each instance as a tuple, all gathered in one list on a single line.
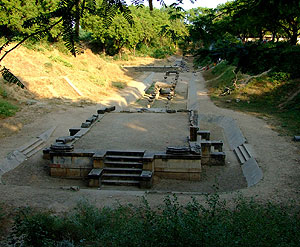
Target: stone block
[(94, 182), (110, 109), (171, 111), (218, 145), (65, 139), (58, 172), (73, 131), (101, 111), (217, 159), (61, 148), (86, 125), (180, 175), (205, 134), (98, 163), (91, 119), (193, 133), (73, 173)]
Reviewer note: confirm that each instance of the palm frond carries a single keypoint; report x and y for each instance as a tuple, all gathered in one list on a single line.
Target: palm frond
[(69, 35), (10, 77)]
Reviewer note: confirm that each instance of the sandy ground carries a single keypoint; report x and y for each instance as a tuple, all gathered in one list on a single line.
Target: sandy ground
[(278, 157)]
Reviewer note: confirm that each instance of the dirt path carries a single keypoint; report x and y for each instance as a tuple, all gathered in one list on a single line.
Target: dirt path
[(277, 156)]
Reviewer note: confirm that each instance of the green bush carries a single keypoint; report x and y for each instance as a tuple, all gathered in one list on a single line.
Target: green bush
[(7, 109), (162, 52), (254, 58), (172, 224)]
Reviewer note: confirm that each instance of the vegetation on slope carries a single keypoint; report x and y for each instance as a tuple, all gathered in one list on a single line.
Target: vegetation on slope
[(274, 95)]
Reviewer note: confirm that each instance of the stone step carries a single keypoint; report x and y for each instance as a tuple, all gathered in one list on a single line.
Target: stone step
[(239, 155), (121, 182), (244, 152), (123, 164), (247, 149), (125, 152), (120, 176), (123, 170), (33, 148), (123, 158)]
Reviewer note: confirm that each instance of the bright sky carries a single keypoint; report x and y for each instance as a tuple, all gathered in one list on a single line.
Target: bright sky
[(188, 5)]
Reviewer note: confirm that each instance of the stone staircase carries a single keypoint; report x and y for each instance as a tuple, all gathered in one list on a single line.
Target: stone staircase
[(242, 153), (120, 168)]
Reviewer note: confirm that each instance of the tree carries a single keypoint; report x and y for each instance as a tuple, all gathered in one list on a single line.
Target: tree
[(65, 13)]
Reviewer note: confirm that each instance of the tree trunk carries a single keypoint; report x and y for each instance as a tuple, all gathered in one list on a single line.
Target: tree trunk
[(151, 4), (273, 36), (77, 22), (294, 36)]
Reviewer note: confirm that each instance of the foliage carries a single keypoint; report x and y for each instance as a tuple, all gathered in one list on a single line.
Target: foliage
[(10, 77), (149, 31), (255, 58), (162, 52), (209, 224), (7, 109), (65, 13), (224, 33), (272, 95)]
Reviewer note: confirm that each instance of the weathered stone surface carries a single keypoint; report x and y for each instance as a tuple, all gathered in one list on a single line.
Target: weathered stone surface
[(60, 147), (193, 133), (252, 172), (195, 148), (65, 139), (178, 150)]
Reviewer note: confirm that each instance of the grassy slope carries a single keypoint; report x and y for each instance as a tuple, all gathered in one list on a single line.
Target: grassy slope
[(43, 68), (266, 96)]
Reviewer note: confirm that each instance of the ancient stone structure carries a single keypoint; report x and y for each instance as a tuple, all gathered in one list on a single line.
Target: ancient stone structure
[(136, 167)]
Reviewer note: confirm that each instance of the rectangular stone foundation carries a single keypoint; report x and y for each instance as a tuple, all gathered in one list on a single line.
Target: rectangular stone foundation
[(178, 169), (62, 172)]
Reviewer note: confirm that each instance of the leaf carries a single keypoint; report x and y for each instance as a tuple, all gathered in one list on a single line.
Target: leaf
[(10, 77)]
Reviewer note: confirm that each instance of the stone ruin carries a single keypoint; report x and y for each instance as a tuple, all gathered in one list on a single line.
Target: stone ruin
[(135, 167)]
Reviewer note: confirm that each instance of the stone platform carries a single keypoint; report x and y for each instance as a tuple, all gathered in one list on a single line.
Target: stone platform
[(133, 131)]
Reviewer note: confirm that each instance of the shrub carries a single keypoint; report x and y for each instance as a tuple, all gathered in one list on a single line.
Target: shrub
[(7, 109), (162, 52), (172, 224)]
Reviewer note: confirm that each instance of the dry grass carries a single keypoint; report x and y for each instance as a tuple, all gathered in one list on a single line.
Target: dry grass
[(44, 74)]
